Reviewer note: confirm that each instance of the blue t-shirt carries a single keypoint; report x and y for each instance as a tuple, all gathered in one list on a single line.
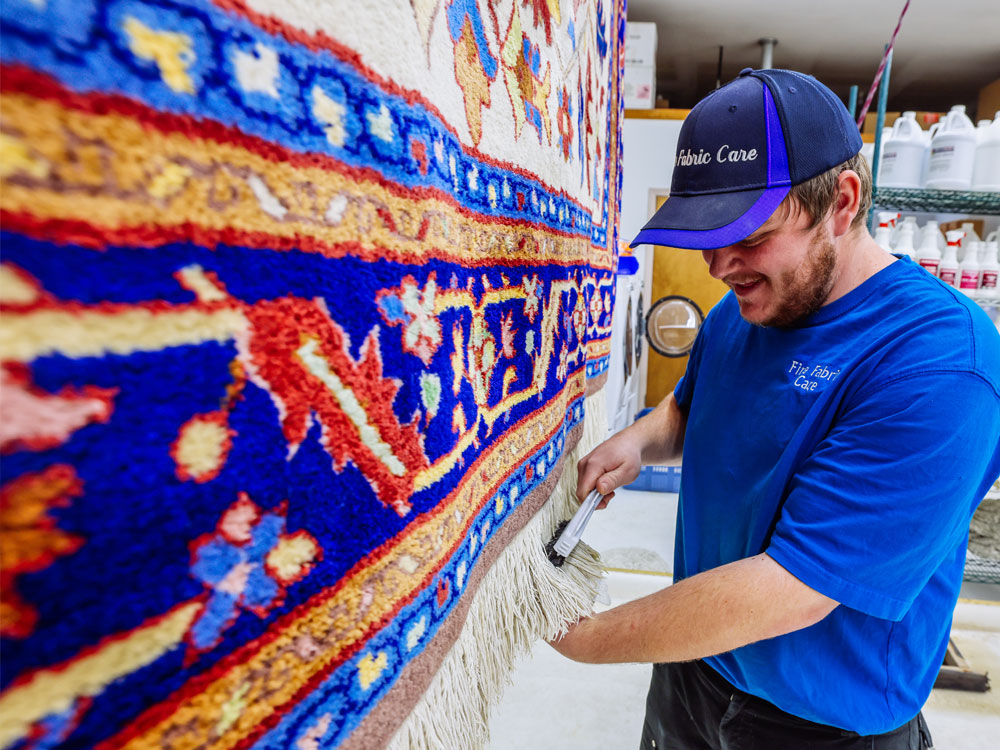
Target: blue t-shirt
[(874, 427)]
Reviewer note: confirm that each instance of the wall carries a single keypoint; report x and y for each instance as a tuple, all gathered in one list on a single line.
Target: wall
[(677, 271), (649, 139)]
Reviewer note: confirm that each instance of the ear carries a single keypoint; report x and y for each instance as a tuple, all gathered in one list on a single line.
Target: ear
[(848, 200)]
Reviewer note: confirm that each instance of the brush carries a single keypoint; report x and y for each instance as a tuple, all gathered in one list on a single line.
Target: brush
[(568, 533)]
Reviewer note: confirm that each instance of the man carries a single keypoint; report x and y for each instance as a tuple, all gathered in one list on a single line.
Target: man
[(839, 422)]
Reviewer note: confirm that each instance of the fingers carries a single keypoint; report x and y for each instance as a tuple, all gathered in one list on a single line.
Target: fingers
[(588, 471), (606, 468), (612, 464), (610, 481)]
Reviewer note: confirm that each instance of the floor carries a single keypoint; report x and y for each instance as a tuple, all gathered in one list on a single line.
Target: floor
[(557, 704)]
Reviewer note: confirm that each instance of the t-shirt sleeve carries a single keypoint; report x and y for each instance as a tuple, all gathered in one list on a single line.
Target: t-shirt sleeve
[(684, 390), (890, 491)]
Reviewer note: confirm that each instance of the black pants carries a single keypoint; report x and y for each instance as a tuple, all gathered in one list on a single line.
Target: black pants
[(691, 707)]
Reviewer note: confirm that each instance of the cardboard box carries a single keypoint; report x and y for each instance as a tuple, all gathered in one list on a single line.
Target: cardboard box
[(989, 101), (639, 86), (640, 44)]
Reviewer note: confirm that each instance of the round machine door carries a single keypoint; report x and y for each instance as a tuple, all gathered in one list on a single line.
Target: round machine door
[(672, 325)]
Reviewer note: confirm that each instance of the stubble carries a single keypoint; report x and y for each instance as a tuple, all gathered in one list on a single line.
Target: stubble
[(804, 289)]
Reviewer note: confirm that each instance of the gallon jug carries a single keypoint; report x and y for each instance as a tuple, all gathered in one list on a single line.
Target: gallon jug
[(986, 173), (902, 161), (931, 132), (970, 236), (981, 129), (868, 151), (953, 152), (933, 229), (970, 232)]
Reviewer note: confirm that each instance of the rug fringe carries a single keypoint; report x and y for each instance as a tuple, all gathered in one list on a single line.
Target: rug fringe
[(522, 599)]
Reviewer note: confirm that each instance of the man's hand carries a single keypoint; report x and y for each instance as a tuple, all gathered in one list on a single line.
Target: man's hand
[(656, 438), (613, 463)]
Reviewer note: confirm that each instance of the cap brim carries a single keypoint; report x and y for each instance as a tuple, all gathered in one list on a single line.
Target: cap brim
[(707, 222)]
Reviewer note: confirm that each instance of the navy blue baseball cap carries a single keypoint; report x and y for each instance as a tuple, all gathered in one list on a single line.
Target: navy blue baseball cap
[(740, 151)]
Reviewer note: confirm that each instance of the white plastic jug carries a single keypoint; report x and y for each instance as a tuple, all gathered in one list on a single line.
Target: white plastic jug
[(970, 232), (931, 132), (953, 152), (986, 173), (902, 159), (933, 229), (981, 129), (868, 151), (970, 236)]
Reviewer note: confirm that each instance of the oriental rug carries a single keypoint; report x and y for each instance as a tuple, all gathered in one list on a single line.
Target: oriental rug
[(306, 310)]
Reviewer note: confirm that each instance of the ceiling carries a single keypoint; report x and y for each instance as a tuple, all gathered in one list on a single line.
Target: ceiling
[(944, 54)]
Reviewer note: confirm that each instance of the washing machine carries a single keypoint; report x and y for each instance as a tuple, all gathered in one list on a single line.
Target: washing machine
[(628, 346)]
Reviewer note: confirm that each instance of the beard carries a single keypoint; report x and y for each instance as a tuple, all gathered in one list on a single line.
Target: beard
[(803, 290)]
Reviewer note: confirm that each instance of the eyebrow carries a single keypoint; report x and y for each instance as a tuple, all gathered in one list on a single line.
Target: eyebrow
[(758, 235)]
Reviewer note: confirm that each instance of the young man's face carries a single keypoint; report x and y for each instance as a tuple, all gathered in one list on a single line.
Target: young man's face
[(781, 273)]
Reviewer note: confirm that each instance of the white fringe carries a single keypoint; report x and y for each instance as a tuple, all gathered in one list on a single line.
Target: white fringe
[(522, 599)]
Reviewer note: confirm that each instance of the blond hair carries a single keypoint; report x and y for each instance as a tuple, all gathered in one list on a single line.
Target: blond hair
[(818, 196)]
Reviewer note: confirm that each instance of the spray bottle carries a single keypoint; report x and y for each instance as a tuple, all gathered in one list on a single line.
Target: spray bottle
[(928, 254), (989, 268), (904, 244), (968, 270), (908, 224), (948, 269), (883, 232)]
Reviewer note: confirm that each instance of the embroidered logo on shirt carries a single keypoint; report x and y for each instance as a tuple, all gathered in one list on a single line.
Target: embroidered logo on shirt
[(809, 377)]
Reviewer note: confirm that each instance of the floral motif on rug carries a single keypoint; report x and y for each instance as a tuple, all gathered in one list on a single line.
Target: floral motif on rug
[(306, 308)]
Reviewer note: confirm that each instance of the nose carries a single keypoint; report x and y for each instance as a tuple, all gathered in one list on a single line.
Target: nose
[(721, 261)]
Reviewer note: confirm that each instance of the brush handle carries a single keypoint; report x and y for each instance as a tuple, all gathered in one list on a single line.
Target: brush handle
[(574, 529)]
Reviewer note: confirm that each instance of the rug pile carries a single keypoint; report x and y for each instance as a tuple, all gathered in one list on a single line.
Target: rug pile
[(306, 308)]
